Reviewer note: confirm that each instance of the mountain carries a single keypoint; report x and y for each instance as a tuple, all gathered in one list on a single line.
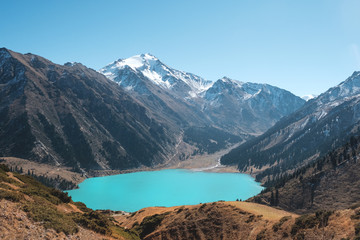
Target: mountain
[(167, 94), (322, 124), (247, 107), (72, 115), (244, 109), (181, 83), (165, 91)]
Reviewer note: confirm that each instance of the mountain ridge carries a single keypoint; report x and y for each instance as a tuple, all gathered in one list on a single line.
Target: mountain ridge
[(321, 124)]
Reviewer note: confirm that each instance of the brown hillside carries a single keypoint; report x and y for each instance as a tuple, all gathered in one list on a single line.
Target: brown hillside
[(332, 182), (239, 220), (30, 210)]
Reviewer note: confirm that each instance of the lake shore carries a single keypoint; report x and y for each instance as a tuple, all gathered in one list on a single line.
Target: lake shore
[(204, 162)]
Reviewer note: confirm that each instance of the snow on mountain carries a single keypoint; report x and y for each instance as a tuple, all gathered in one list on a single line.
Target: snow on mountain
[(237, 107), (160, 74), (223, 86), (309, 97), (312, 130), (254, 106), (345, 91), (129, 72), (347, 88), (244, 91)]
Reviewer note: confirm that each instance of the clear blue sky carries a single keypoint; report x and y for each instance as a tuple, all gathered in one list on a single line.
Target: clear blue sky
[(303, 46)]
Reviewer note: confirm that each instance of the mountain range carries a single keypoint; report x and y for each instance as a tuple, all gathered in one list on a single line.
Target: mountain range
[(230, 105), (143, 113)]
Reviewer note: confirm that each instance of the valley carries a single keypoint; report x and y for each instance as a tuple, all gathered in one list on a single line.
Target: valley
[(64, 124), (206, 162), (180, 120)]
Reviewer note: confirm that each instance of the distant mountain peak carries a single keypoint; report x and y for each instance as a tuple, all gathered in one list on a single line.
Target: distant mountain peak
[(309, 97), (157, 72)]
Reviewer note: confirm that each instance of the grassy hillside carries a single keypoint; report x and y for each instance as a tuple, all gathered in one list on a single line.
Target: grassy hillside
[(33, 210)]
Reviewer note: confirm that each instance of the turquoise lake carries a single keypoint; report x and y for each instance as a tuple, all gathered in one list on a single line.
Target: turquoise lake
[(171, 187)]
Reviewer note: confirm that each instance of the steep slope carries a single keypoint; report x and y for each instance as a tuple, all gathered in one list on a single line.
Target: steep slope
[(72, 115), (319, 126), (240, 108), (331, 182), (30, 210)]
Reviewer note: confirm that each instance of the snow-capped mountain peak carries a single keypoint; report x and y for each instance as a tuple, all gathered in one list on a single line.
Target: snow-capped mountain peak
[(142, 61), (157, 72)]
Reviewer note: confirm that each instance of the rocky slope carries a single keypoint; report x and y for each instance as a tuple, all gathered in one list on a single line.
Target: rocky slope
[(322, 124), (72, 115)]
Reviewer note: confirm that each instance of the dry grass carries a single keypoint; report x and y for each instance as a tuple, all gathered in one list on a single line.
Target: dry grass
[(268, 213), (128, 220), (241, 220), (11, 176)]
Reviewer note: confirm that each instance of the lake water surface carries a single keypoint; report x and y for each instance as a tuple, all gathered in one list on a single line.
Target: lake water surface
[(172, 187)]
